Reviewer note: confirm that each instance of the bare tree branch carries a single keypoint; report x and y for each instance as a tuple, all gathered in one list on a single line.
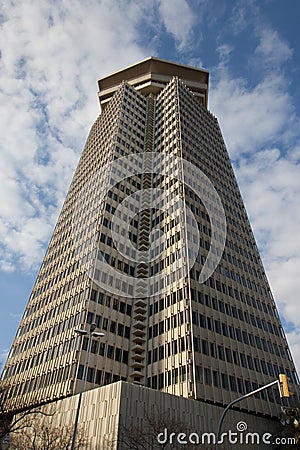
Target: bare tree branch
[(12, 422), (144, 437), (44, 435), (32, 429)]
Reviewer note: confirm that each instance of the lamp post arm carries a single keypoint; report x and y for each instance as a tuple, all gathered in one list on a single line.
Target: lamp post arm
[(236, 400)]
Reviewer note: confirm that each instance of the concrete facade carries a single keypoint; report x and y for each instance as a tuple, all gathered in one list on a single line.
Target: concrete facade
[(109, 410)]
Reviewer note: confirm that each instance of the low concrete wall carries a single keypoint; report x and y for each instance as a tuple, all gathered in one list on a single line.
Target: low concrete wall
[(120, 411)]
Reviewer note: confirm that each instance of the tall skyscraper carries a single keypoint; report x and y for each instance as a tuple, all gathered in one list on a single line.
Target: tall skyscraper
[(154, 246)]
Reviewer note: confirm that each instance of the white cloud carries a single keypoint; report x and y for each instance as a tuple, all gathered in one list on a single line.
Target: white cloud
[(272, 49), (251, 117), (52, 57), (178, 19), (224, 51), (243, 14)]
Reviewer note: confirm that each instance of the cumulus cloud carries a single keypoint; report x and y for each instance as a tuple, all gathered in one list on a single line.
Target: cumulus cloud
[(272, 49), (178, 18), (52, 57), (251, 117), (243, 15), (224, 51)]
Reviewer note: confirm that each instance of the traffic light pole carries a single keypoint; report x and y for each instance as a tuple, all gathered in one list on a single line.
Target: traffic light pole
[(283, 390)]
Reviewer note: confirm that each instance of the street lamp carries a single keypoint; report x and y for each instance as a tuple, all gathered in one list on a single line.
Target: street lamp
[(281, 382), (89, 334)]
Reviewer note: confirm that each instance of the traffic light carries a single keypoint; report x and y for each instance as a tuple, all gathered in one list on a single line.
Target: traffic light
[(289, 415), (284, 386)]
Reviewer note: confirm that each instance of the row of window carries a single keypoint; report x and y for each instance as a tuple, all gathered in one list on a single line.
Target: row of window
[(223, 329), (41, 358), (106, 279), (122, 151), (240, 359), (109, 325), (197, 116), (202, 159), (239, 226), (164, 351), (54, 296), (44, 380), (66, 286), (117, 197), (199, 120), (201, 213), (237, 313), (50, 314), (161, 113), (170, 299), (211, 378), (48, 272), (131, 134), (234, 384), (114, 303), (96, 154), (141, 116), (106, 350), (113, 261), (131, 129), (195, 109), (203, 155), (126, 144), (99, 137), (165, 97), (134, 98), (231, 274), (128, 121), (167, 324), (218, 305), (60, 244), (47, 334), (238, 295), (243, 264), (167, 378), (98, 376)]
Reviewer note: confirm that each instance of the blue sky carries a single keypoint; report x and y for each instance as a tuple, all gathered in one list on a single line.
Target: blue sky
[(53, 52)]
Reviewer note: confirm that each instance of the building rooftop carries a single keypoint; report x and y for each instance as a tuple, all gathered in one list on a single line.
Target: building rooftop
[(151, 75)]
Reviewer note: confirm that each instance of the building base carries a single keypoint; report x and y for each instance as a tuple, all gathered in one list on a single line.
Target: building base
[(123, 416)]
